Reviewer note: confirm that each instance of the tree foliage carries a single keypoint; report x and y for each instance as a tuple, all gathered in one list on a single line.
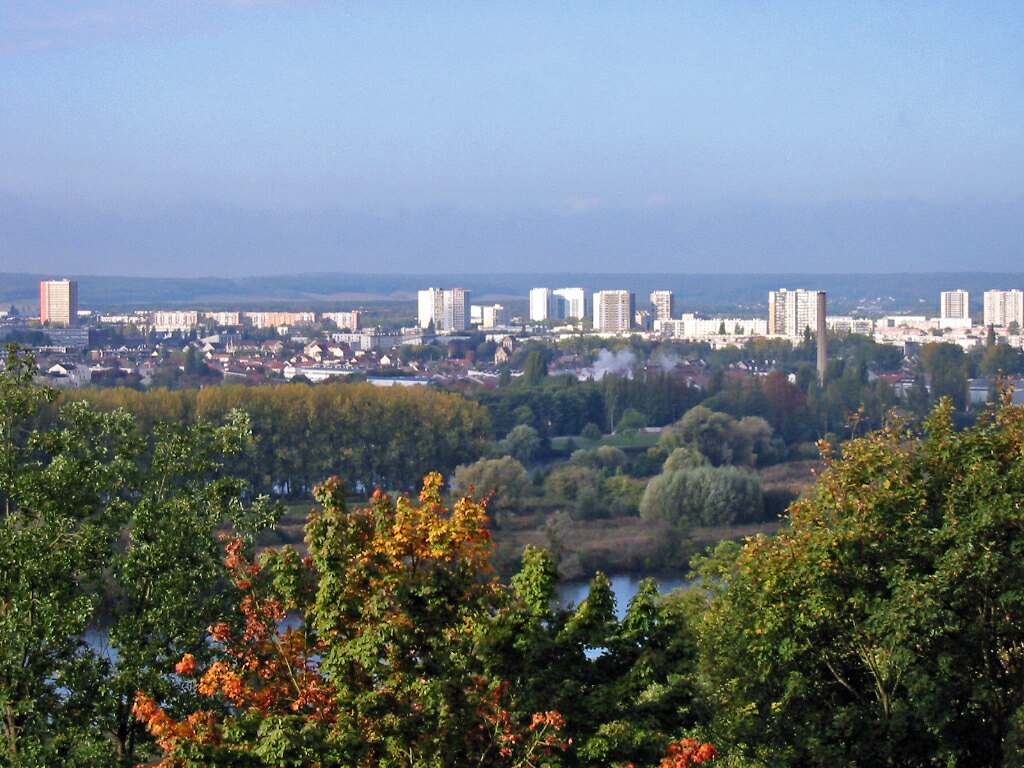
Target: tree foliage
[(106, 530), (403, 650), (503, 480), (889, 619), (722, 439), (703, 496), (304, 434)]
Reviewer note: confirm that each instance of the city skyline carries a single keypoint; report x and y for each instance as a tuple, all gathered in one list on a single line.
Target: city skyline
[(790, 312)]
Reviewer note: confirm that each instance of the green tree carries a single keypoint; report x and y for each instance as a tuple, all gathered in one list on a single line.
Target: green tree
[(503, 480), (703, 496), (683, 457), (104, 521), (945, 365), (567, 481), (886, 625), (605, 457), (631, 419), (721, 438), (522, 443), (622, 494), (1001, 359), (535, 369)]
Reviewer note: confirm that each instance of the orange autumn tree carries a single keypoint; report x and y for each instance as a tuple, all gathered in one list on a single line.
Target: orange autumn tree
[(361, 653), (687, 753)]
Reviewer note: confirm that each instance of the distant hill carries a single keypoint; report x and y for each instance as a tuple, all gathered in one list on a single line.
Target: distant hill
[(746, 294)]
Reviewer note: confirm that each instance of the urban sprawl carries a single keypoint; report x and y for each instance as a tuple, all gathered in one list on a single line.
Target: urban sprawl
[(78, 347)]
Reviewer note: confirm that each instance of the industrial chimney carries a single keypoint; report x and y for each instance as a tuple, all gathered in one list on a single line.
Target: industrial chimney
[(822, 334)]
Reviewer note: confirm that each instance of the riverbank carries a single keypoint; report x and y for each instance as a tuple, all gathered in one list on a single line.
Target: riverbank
[(614, 545)]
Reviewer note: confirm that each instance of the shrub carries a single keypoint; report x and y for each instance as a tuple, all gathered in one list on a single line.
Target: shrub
[(505, 479), (622, 495), (684, 457), (703, 496), (566, 482)]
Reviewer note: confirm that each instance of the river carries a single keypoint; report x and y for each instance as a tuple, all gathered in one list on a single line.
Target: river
[(570, 593), (624, 586)]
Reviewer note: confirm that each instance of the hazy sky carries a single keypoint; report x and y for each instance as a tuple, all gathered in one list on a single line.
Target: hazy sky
[(185, 137)]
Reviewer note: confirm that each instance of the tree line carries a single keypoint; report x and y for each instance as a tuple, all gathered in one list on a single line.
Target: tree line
[(561, 405), (304, 434)]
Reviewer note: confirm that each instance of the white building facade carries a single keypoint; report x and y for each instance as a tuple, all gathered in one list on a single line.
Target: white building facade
[(792, 312), (954, 305), (557, 304), (279, 319), (350, 320), (447, 308), (175, 320), (613, 311), (569, 303), (1003, 308), (540, 304), (664, 305)]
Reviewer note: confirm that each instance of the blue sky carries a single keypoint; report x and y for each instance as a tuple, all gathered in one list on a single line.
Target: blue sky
[(188, 137)]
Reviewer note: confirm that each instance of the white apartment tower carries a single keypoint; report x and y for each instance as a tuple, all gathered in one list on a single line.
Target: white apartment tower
[(613, 311), (430, 307), (447, 308), (791, 313), (1003, 308), (954, 305), (570, 303), (558, 304), (664, 305), (540, 304), (493, 316), (456, 309)]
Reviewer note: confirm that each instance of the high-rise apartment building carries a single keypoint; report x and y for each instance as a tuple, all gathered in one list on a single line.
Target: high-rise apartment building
[(447, 308), (613, 311), (557, 304), (540, 304), (456, 309), (430, 307), (569, 303), (664, 305), (1003, 308), (954, 305), (493, 316), (791, 313), (58, 302)]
